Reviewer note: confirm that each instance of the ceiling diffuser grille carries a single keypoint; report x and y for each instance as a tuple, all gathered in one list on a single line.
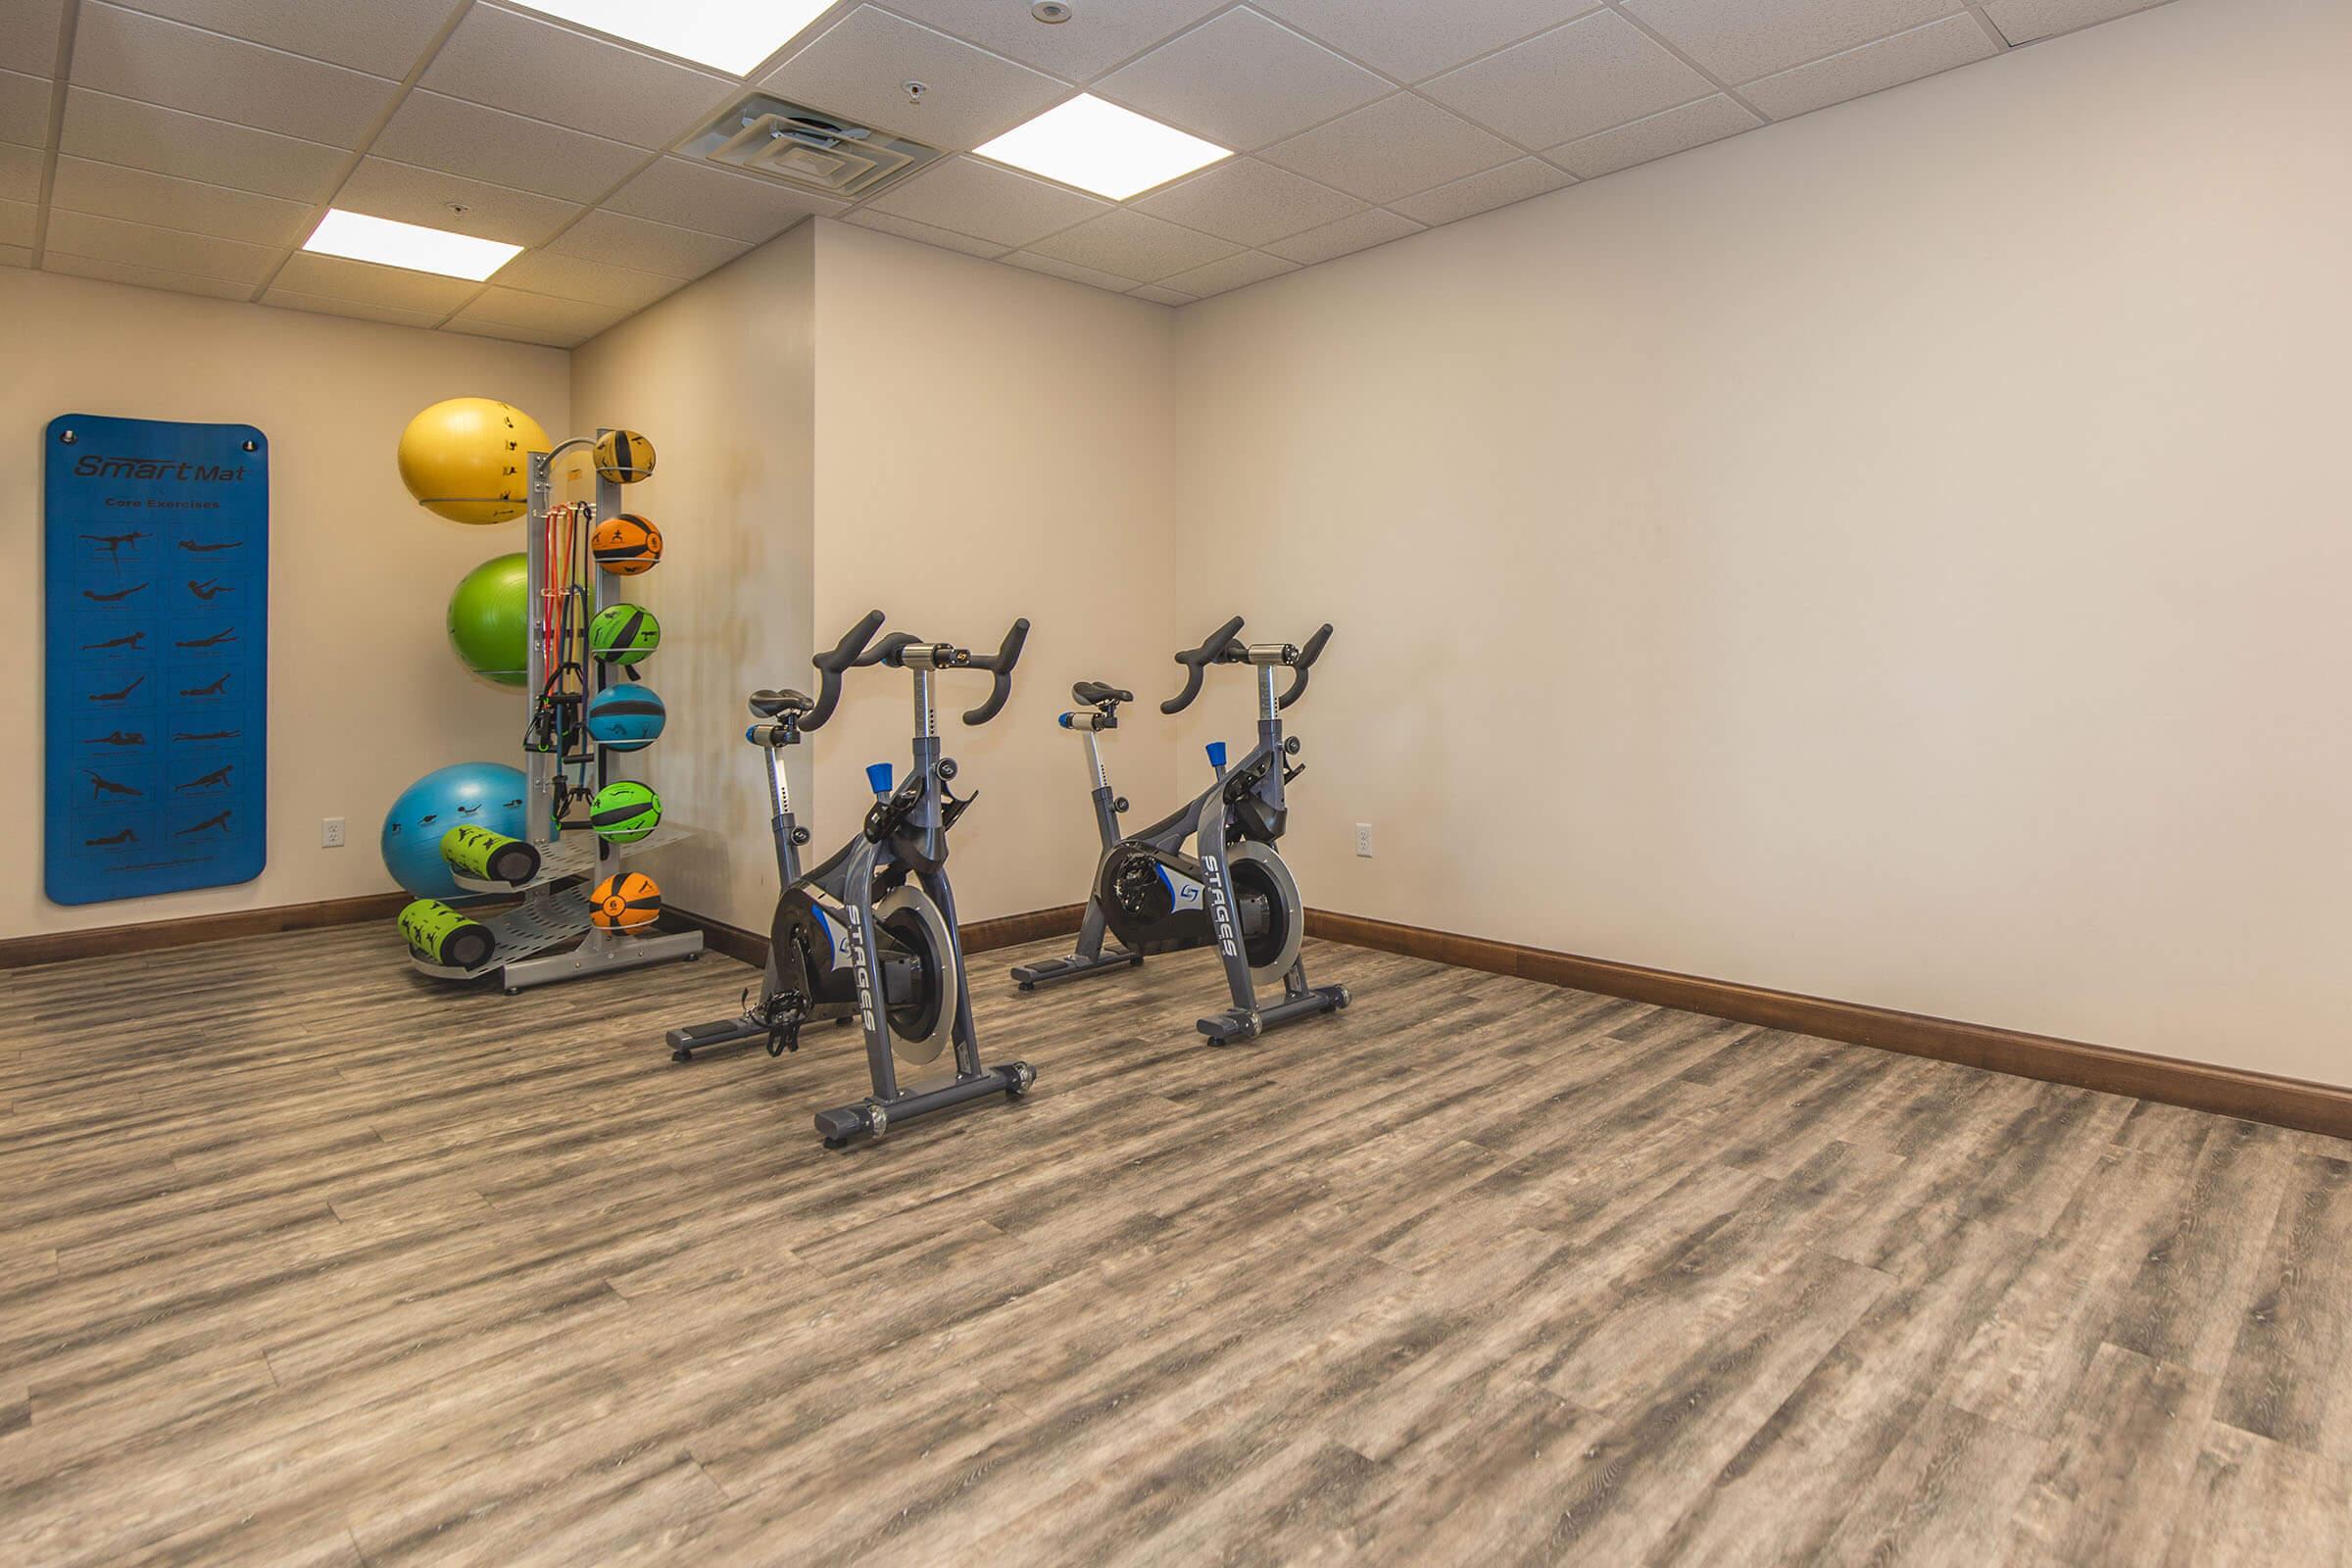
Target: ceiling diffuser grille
[(807, 148)]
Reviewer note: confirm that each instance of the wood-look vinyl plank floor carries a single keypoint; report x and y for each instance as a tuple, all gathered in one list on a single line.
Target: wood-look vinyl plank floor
[(306, 1260)]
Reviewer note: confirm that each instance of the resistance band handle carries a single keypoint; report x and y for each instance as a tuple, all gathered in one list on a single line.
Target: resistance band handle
[(1302, 664), (1000, 664), (1198, 659), (830, 666)]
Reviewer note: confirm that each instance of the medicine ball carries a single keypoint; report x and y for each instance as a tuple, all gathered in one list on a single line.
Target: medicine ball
[(625, 718), (625, 545), (628, 901), (625, 813), (624, 457), (624, 634)]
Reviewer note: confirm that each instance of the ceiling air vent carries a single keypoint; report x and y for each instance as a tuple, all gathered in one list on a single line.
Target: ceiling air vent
[(808, 148)]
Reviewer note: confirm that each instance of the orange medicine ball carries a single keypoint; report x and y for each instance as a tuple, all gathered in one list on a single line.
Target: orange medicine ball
[(625, 903), (625, 545)]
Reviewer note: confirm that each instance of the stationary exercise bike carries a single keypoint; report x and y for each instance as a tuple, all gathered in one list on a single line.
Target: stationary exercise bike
[(1234, 893), (870, 934)]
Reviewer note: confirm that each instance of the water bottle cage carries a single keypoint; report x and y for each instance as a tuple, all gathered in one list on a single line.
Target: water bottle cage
[(1242, 781), (885, 817)]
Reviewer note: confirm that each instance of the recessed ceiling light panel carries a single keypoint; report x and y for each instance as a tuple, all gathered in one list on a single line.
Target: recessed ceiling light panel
[(732, 34), (358, 237), (1101, 147)]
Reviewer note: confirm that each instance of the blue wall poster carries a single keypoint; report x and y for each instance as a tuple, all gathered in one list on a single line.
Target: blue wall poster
[(157, 550)]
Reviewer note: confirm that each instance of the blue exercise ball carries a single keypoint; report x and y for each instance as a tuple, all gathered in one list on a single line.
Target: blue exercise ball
[(625, 718), (485, 795)]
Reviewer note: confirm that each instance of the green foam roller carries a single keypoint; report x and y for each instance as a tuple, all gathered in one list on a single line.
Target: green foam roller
[(489, 856), (439, 934)]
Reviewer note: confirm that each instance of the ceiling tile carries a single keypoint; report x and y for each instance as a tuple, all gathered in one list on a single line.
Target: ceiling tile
[(977, 198), (619, 240), (1097, 36), (396, 286), (116, 130), (1248, 202), (574, 277), (1890, 62), (1392, 148), (545, 337), (24, 109), (112, 191), (1673, 131), (695, 195), (358, 310), (383, 37), (18, 220), (1411, 39), (434, 131), (1483, 192), (1133, 245), (54, 259), (1159, 295), (1373, 226), (1242, 81), (33, 28), (511, 306), (855, 68), (15, 256), (1234, 271), (527, 65), (2024, 21), (1742, 39), (154, 61), (382, 188), (21, 172), (1571, 82), (946, 239), (112, 239), (1069, 272)]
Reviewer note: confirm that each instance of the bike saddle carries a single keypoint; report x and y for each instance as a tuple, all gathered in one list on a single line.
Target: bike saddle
[(775, 704), (1094, 694)]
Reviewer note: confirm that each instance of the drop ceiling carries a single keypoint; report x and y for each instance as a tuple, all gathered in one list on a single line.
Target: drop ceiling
[(193, 144)]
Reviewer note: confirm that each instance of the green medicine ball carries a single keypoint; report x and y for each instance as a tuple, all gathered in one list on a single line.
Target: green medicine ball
[(625, 813), (624, 632), (486, 619)]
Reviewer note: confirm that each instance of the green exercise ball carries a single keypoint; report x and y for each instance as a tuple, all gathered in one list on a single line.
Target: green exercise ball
[(486, 618)]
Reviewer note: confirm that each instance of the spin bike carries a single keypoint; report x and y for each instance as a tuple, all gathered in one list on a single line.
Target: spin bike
[(870, 934), (1235, 894)]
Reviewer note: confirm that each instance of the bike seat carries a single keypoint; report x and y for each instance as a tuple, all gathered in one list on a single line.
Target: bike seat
[(1094, 694), (775, 704)]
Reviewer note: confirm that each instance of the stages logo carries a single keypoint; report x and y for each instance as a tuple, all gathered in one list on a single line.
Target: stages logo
[(92, 466)]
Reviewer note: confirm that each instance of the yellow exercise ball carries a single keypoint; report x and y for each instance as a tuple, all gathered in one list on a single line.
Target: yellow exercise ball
[(469, 458)]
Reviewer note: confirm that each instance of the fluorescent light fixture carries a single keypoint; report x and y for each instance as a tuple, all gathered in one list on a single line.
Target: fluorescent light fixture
[(732, 34), (1103, 148), (387, 243)]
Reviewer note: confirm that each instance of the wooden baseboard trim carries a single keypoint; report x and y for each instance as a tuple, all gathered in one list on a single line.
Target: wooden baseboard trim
[(979, 936), (108, 941), (2199, 1086)]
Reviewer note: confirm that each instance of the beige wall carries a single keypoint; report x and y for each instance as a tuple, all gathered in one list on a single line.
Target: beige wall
[(993, 443), (1899, 554), (365, 693), (721, 377)]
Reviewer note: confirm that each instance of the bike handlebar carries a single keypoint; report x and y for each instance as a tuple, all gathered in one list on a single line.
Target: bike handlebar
[(1000, 665), (1198, 659), (845, 654), (1302, 664)]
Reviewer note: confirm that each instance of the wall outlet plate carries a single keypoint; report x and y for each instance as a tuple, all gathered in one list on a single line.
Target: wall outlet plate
[(1363, 840), (330, 833)]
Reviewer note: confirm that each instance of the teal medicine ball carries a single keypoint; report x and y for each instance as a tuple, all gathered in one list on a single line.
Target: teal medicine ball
[(625, 718), (626, 633), (625, 813)]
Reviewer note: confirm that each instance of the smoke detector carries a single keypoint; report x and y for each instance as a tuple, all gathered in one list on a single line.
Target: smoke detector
[(807, 148)]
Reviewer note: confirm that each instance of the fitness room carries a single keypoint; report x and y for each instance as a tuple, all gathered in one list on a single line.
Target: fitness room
[(674, 644)]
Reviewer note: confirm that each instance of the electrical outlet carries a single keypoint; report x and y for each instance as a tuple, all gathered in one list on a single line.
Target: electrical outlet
[(330, 833), (1363, 840)]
